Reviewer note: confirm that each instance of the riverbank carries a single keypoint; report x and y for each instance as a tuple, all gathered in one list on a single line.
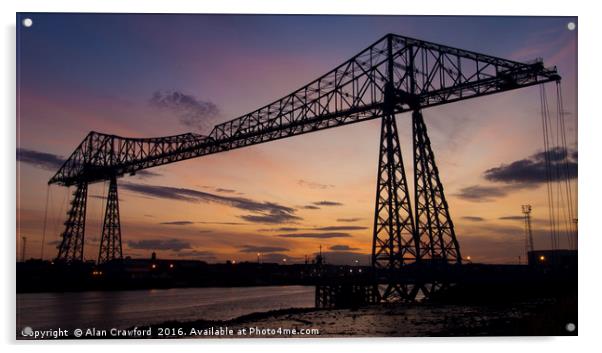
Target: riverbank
[(535, 318), (122, 309)]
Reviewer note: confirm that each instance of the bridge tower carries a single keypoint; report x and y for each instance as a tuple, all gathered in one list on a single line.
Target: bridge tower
[(394, 241), (110, 243), (71, 248), (401, 237)]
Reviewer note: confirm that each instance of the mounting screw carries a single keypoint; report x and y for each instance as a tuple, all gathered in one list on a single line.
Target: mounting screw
[(570, 327), (571, 26), (27, 331), (27, 22)]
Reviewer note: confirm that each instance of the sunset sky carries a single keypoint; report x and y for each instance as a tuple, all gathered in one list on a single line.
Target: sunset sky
[(158, 75)]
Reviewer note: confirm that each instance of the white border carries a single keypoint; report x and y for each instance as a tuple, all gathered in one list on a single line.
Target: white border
[(589, 135)]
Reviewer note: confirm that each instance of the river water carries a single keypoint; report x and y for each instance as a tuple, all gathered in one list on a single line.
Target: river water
[(123, 309)]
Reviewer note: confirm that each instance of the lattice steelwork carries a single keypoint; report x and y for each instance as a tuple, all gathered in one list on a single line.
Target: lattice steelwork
[(393, 241), (424, 75), (110, 243), (396, 74), (72, 245), (434, 226)]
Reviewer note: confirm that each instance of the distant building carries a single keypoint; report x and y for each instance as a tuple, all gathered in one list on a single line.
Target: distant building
[(554, 258)]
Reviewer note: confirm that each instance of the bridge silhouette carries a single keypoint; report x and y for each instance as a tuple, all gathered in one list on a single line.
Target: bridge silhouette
[(396, 74)]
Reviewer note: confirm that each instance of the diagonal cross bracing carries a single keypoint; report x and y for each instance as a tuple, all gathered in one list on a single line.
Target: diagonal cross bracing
[(422, 74)]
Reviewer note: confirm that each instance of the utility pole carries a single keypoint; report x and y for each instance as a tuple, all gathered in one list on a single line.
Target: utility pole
[(528, 232)]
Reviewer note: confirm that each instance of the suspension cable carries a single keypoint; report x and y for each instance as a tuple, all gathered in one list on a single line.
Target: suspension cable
[(546, 142), (561, 209), (571, 231), (562, 169)]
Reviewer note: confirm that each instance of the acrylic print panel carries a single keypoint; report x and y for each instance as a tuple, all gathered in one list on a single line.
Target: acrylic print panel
[(246, 176)]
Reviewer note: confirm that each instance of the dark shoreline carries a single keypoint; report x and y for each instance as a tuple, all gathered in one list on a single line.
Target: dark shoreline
[(482, 300), (35, 276), (543, 317)]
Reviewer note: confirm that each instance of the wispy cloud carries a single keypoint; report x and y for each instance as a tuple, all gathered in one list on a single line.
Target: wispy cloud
[(487, 193), (159, 244), (227, 191), (262, 249), (145, 174), (479, 193), (533, 169), (323, 228), (281, 229), (512, 218), (330, 228), (327, 203), (178, 223), (342, 248), (224, 223), (324, 235), (271, 218), (473, 218), (525, 173), (263, 212), (42, 160), (355, 219), (313, 184), (53, 162), (190, 111)]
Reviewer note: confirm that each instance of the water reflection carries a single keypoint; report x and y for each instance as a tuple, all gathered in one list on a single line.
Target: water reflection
[(105, 310)]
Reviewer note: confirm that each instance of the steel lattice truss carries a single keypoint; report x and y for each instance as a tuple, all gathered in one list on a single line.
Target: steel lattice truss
[(434, 227), (72, 244), (395, 74), (110, 243), (393, 243)]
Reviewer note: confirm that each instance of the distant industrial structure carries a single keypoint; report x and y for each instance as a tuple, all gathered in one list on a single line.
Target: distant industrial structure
[(553, 258), (528, 232)]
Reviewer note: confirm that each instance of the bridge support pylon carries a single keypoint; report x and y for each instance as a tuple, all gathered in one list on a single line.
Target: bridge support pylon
[(425, 239), (110, 243), (434, 226), (71, 248), (393, 243)]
